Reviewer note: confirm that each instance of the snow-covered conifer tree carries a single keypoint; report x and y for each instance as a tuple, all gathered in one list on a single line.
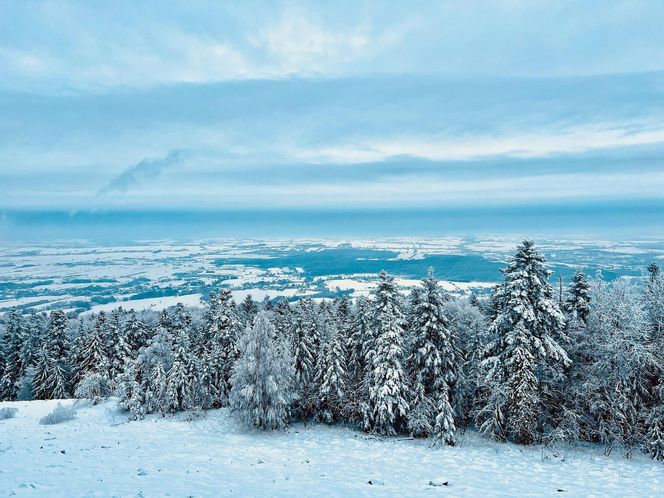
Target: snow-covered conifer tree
[(525, 360), (654, 301), (616, 382), (434, 362), (10, 351), (387, 407), (181, 379), (306, 343), (248, 310), (332, 378), (262, 380), (577, 304), (94, 355), (136, 334)]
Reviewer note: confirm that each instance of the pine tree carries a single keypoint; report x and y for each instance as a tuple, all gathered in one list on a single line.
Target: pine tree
[(11, 349), (262, 378), (434, 361), (577, 304), (525, 360), (387, 406)]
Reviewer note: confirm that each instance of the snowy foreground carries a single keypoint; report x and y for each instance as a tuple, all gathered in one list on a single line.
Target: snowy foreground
[(101, 454)]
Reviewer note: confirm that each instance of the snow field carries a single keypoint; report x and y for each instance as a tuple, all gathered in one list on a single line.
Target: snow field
[(100, 454)]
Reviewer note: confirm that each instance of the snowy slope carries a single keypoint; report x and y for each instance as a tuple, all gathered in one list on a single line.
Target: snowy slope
[(100, 454)]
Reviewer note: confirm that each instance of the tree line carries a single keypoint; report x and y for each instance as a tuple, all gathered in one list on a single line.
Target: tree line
[(523, 364)]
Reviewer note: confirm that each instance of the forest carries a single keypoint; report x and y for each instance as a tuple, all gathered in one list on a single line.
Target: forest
[(527, 363)]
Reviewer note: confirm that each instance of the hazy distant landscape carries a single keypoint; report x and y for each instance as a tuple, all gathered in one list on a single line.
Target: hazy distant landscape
[(80, 276)]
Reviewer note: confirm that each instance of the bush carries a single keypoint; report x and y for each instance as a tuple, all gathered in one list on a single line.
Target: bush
[(94, 387), (6, 413), (59, 414)]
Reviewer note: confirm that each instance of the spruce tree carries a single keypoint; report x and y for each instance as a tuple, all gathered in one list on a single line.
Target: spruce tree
[(136, 334), (387, 407), (57, 348), (525, 360), (577, 304), (434, 362), (306, 342), (262, 380), (181, 379), (11, 349), (332, 378), (248, 310), (94, 352), (654, 301)]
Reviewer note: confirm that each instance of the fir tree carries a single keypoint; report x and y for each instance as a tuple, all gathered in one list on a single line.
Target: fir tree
[(332, 379), (434, 361), (306, 341), (283, 320), (387, 406), (577, 304), (136, 334), (654, 302), (35, 326), (94, 354), (525, 360), (262, 378), (11, 348), (182, 376), (248, 310)]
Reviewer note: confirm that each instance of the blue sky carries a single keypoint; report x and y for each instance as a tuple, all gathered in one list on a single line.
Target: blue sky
[(303, 105)]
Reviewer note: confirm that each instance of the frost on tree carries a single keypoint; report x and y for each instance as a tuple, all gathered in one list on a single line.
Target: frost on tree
[(386, 410), (525, 360), (51, 374), (577, 304), (94, 350), (181, 379), (332, 378), (616, 383), (11, 358), (305, 346), (433, 363), (654, 301), (136, 334), (262, 380), (220, 335), (469, 328)]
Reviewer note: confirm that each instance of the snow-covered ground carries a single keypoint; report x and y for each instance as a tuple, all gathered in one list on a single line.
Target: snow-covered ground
[(100, 454)]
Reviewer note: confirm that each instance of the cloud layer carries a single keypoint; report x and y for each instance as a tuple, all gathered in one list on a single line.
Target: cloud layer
[(318, 105)]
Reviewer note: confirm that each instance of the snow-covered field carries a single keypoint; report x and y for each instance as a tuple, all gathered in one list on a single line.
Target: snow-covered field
[(100, 454)]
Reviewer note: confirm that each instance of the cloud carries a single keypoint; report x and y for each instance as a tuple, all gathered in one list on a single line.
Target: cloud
[(144, 170), (575, 140)]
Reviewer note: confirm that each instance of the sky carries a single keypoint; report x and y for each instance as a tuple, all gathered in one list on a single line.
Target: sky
[(198, 106)]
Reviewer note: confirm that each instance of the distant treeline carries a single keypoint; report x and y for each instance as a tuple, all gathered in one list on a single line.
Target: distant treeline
[(526, 364)]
